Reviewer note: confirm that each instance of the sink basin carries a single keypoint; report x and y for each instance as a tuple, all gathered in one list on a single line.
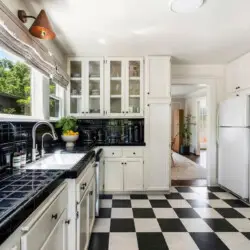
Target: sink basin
[(56, 161)]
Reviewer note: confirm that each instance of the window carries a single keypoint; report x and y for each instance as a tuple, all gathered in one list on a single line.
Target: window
[(56, 100), (15, 85)]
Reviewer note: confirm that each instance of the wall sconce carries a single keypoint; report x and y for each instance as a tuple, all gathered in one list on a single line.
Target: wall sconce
[(41, 28)]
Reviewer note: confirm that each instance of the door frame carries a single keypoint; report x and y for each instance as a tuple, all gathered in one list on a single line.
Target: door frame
[(210, 83)]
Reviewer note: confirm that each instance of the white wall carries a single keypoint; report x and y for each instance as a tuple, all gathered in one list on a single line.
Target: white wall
[(14, 6)]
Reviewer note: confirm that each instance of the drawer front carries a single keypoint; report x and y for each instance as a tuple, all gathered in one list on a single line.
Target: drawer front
[(85, 181), (113, 153), (132, 152), (38, 234)]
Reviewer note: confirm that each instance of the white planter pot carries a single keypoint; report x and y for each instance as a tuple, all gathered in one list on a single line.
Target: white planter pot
[(70, 140)]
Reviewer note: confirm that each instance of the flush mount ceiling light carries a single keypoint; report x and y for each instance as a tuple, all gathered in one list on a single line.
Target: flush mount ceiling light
[(41, 28), (185, 6)]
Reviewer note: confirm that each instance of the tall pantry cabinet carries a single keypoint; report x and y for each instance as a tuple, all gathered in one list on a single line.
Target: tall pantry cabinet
[(157, 123)]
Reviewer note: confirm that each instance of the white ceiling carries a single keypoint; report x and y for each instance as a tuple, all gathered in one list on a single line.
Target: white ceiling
[(216, 33), (181, 90)]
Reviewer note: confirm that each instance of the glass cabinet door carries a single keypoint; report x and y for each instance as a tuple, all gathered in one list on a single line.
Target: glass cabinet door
[(134, 87), (116, 87), (94, 84), (76, 87)]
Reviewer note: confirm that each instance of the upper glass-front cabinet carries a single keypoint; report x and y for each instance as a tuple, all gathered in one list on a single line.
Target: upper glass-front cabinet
[(124, 80), (94, 84), (86, 87), (76, 86), (123, 92)]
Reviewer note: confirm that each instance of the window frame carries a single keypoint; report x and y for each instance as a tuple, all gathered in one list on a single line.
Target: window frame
[(59, 96)]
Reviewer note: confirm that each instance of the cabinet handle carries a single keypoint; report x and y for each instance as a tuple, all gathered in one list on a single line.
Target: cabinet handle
[(134, 153), (83, 186), (54, 216), (87, 112), (83, 112), (67, 222), (148, 93), (122, 163), (127, 112), (123, 112), (91, 193), (113, 153), (125, 163)]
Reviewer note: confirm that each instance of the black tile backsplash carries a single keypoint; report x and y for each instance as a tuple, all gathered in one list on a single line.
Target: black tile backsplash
[(104, 131)]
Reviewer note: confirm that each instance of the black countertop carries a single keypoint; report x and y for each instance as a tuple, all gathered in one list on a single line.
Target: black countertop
[(22, 191)]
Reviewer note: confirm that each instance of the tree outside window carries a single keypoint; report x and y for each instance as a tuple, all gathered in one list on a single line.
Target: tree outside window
[(15, 85)]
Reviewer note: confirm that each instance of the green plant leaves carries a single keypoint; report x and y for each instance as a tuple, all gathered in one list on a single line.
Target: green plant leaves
[(67, 123)]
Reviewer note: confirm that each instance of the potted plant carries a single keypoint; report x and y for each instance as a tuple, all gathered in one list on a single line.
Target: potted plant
[(69, 130), (186, 136)]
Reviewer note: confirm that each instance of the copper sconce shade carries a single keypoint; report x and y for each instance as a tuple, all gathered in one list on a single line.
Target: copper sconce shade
[(41, 27)]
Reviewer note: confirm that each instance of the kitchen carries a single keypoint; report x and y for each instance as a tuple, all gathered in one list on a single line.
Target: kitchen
[(118, 133)]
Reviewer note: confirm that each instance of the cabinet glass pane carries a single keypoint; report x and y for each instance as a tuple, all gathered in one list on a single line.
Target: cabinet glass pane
[(75, 87), (75, 105), (134, 105), (94, 105), (76, 69), (115, 105), (134, 69), (115, 87), (115, 69), (94, 69), (134, 87), (94, 87)]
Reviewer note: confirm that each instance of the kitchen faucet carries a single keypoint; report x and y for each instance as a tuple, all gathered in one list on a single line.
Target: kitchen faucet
[(54, 136)]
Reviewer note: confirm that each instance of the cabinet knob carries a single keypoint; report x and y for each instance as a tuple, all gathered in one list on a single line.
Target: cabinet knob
[(54, 216), (113, 153), (127, 112), (83, 186), (83, 112), (91, 193), (67, 222), (148, 93), (134, 153), (125, 163), (123, 112), (87, 112)]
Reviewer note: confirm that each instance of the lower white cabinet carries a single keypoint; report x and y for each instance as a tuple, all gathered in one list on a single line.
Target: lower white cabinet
[(83, 223), (133, 175), (124, 174), (113, 175), (58, 237), (92, 193)]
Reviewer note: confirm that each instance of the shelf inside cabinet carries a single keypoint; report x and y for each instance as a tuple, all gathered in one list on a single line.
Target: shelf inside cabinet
[(75, 96), (94, 96), (113, 78), (115, 96), (75, 78), (134, 96), (135, 78), (92, 78)]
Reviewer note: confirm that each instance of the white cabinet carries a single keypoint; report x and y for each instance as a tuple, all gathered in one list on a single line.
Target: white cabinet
[(158, 77), (124, 169), (122, 95), (238, 74), (92, 193), (50, 219), (83, 223), (133, 174), (157, 157), (124, 87), (58, 237), (113, 175), (85, 91)]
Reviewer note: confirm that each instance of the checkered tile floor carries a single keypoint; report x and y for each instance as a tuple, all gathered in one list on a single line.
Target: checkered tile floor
[(190, 218)]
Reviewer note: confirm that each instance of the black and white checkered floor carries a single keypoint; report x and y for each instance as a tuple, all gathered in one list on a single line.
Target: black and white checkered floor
[(190, 218)]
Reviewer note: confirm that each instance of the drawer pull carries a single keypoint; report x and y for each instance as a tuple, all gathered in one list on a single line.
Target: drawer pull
[(67, 222), (83, 186), (91, 193), (134, 153), (113, 153), (54, 216)]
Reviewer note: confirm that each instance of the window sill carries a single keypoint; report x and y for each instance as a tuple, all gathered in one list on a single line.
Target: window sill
[(21, 118)]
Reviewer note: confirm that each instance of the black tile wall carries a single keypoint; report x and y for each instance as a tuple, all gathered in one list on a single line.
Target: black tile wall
[(105, 131)]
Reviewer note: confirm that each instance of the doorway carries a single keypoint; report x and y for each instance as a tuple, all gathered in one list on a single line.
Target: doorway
[(189, 134)]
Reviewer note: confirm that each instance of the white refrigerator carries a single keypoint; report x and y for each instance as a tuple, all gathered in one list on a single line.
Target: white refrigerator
[(234, 145)]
